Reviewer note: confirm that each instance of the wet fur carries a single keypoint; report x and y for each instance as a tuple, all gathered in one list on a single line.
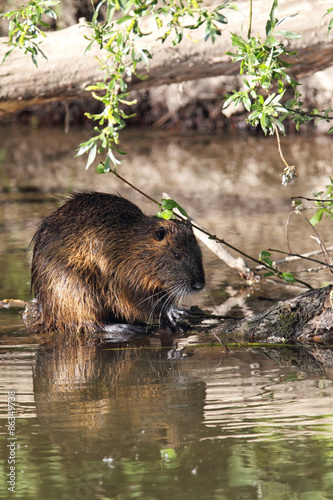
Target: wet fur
[(98, 259)]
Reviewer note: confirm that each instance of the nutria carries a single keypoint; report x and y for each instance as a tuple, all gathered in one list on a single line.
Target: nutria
[(98, 259)]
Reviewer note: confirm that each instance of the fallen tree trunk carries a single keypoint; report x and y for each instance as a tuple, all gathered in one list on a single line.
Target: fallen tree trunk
[(307, 318), (68, 71)]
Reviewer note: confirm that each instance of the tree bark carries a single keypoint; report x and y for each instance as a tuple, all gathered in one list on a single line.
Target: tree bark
[(67, 71), (307, 318)]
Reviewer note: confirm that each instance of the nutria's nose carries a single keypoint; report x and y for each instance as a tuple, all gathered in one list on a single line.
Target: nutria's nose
[(198, 285)]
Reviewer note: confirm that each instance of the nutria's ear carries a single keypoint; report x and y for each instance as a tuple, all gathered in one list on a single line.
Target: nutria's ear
[(160, 233)]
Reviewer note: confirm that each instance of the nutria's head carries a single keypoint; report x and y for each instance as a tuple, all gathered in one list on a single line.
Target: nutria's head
[(182, 254), (163, 263)]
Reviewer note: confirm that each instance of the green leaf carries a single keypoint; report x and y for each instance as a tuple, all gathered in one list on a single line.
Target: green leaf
[(263, 254), (91, 156), (247, 103), (330, 26), (265, 257), (84, 147), (279, 125), (263, 122), (288, 277), (238, 41), (317, 216), (270, 98), (166, 214), (267, 261), (270, 273), (107, 164), (229, 99), (221, 19), (124, 19), (169, 204), (34, 59), (49, 12), (328, 11), (7, 54), (270, 25), (100, 169), (285, 18), (112, 157), (288, 34), (88, 48)]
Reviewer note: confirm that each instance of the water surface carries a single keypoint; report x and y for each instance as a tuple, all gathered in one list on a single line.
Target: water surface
[(132, 422)]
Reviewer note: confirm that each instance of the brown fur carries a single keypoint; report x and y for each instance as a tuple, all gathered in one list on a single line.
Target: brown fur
[(98, 259)]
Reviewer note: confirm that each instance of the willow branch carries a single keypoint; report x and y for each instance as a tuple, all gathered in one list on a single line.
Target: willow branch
[(114, 172), (300, 256), (311, 199), (277, 273)]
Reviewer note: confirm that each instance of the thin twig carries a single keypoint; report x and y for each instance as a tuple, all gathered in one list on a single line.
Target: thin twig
[(310, 270), (220, 340), (218, 248), (280, 150), (329, 262), (286, 230), (219, 240), (299, 256), (114, 172), (311, 199), (321, 243), (311, 115)]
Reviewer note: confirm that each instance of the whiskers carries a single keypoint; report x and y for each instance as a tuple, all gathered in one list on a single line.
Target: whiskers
[(166, 298)]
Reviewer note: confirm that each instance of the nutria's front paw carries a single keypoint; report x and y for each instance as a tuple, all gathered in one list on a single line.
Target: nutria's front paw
[(176, 317), (117, 333)]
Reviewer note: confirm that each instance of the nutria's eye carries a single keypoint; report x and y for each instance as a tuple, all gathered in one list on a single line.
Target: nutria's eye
[(160, 233)]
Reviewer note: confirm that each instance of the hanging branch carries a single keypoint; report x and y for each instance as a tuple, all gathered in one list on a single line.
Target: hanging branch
[(327, 257), (264, 260), (294, 256)]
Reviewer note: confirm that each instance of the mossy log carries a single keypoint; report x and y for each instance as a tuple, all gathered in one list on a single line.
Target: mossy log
[(306, 319)]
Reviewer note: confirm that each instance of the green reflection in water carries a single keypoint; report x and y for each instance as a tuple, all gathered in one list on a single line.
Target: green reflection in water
[(283, 470), (133, 425)]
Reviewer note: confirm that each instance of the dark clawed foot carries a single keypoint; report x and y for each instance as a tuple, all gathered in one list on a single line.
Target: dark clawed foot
[(176, 318)]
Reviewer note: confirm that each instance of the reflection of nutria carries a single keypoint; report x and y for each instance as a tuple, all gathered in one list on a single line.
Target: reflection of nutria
[(98, 259)]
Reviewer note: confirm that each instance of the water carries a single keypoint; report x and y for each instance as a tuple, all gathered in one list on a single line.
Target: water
[(131, 423), (94, 423)]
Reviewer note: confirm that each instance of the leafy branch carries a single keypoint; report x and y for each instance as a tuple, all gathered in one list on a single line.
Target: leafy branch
[(169, 209), (25, 27), (299, 210), (267, 79), (121, 37), (323, 202)]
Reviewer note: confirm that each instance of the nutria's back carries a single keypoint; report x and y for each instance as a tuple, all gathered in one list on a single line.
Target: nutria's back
[(98, 259)]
